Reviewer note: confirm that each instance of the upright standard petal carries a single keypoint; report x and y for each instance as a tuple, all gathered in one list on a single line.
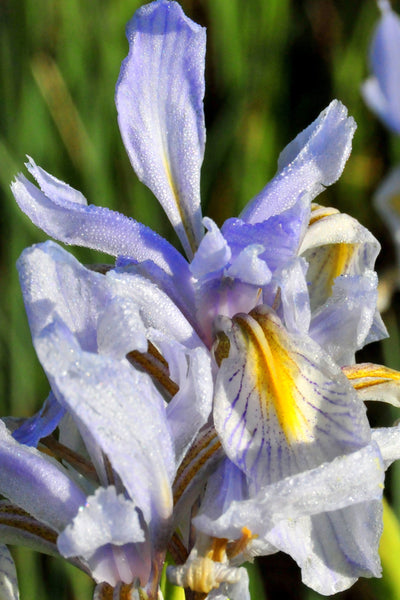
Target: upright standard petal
[(335, 244), (312, 161), (341, 282), (159, 97)]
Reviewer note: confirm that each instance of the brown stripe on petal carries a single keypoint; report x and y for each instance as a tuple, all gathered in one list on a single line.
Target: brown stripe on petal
[(54, 448), (13, 516), (202, 454)]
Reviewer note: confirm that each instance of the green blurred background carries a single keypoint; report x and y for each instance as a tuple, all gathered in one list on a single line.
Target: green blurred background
[(272, 66)]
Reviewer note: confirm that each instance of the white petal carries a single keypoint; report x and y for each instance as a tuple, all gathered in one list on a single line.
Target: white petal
[(281, 404), (106, 518)]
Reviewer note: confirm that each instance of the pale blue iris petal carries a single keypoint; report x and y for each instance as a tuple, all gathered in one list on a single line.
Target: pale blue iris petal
[(36, 484), (294, 298), (382, 91), (8, 576), (54, 282), (226, 485), (159, 97), (180, 290), (54, 188), (105, 395), (334, 549), (283, 232), (105, 518), (42, 424), (212, 255), (191, 406), (156, 309), (312, 161), (118, 565), (378, 329), (388, 440), (378, 103), (342, 324), (120, 329), (338, 228), (336, 244), (223, 296), (249, 268), (96, 227), (350, 479), (385, 49), (111, 522)]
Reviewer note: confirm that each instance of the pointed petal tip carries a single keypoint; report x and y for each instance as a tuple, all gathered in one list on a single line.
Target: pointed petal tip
[(312, 161), (15, 183)]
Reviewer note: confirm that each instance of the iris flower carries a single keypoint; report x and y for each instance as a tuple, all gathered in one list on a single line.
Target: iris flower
[(225, 376)]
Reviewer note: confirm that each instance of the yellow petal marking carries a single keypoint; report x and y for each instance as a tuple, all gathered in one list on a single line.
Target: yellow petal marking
[(274, 372), (329, 261), (319, 212), (369, 373), (180, 207), (375, 382)]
